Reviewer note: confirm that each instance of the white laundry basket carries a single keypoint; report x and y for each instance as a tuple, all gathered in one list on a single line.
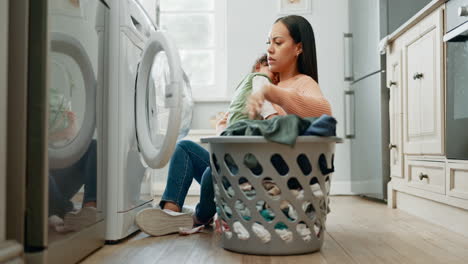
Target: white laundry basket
[(260, 220)]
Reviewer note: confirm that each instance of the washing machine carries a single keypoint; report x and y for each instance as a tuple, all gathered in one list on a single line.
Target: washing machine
[(77, 34), (66, 81), (149, 109)]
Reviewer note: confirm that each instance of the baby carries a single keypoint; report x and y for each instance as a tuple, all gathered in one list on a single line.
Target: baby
[(254, 81)]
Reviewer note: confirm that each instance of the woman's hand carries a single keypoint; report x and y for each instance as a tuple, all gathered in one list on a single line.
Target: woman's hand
[(256, 100), (69, 132)]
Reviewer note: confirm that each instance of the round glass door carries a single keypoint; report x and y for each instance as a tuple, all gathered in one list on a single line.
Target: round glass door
[(159, 90), (72, 101), (157, 113)]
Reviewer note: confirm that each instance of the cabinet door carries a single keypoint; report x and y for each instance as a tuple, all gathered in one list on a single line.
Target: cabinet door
[(431, 96), (412, 99), (424, 109), (394, 84)]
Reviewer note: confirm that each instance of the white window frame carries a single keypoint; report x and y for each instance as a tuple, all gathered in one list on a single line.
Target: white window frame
[(220, 54)]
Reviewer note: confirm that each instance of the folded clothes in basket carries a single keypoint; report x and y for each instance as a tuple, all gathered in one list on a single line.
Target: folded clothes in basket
[(284, 129)]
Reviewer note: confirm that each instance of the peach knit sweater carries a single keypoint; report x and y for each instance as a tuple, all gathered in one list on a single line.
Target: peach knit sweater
[(299, 95)]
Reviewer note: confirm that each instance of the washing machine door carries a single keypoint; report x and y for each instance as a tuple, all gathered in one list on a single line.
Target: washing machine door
[(158, 104), (72, 101)]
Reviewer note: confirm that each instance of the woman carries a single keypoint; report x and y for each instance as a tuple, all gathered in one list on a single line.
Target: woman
[(292, 55)]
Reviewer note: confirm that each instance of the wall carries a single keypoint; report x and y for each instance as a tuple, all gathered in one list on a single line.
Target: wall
[(3, 109), (400, 11), (330, 20)]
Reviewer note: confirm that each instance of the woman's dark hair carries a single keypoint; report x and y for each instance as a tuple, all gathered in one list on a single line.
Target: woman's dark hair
[(301, 31), (262, 60)]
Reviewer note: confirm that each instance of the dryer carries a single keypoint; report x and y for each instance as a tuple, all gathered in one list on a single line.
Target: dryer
[(148, 98)]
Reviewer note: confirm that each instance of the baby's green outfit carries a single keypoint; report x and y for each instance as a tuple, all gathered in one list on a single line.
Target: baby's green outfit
[(251, 83)]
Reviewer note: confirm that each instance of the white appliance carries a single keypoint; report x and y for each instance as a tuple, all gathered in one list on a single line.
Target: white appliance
[(10, 251), (57, 67), (145, 110), (367, 124)]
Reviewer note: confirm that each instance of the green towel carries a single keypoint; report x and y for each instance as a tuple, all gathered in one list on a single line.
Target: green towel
[(279, 129)]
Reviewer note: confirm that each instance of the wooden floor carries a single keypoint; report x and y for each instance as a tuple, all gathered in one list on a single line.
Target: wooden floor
[(358, 231)]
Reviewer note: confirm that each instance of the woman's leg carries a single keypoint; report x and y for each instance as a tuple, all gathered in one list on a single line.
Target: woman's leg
[(188, 162), (58, 205), (64, 184), (90, 175), (206, 208)]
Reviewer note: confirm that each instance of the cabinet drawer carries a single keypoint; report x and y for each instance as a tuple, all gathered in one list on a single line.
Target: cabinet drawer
[(426, 175), (457, 180)]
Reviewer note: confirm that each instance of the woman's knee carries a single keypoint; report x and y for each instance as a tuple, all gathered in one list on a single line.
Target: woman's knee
[(186, 144)]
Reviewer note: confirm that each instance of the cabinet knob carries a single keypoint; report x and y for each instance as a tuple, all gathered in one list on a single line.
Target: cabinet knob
[(423, 176), (418, 75), (391, 83), (390, 146), (463, 11)]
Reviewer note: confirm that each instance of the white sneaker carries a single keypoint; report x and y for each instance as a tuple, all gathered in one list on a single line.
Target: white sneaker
[(56, 223), (157, 222), (78, 220)]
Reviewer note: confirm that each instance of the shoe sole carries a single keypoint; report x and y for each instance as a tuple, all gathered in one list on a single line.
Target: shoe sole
[(157, 222)]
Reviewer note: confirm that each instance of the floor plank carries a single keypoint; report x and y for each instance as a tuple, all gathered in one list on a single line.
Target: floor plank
[(358, 231)]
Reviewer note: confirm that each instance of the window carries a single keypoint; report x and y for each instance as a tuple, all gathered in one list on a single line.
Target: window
[(198, 28)]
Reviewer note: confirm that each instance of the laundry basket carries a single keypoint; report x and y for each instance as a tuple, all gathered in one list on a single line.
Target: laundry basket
[(273, 197)]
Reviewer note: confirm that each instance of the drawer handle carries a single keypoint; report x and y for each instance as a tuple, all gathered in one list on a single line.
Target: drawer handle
[(391, 83), (423, 176), (418, 75), (390, 146)]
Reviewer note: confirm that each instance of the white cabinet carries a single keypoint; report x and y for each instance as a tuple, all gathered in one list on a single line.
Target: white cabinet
[(426, 175), (457, 179), (423, 97), (394, 84), (423, 179)]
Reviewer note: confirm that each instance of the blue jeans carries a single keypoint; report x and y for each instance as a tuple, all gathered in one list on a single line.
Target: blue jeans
[(190, 161), (65, 183)]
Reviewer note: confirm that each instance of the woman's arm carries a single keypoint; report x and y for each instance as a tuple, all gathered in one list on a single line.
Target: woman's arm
[(293, 102), (267, 108), (222, 123), (304, 99)]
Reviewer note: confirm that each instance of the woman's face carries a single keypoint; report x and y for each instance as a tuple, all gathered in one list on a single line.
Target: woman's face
[(282, 51)]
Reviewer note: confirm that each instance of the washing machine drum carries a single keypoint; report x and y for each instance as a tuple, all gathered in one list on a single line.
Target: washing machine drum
[(163, 101), (72, 101)]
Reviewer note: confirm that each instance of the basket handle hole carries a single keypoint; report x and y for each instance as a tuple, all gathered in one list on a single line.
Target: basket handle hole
[(251, 162), (304, 164), (279, 164)]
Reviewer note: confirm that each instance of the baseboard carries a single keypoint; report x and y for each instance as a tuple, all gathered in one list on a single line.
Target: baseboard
[(447, 216), (356, 188)]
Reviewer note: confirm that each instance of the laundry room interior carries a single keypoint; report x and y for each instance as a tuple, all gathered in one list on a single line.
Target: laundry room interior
[(233, 131)]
